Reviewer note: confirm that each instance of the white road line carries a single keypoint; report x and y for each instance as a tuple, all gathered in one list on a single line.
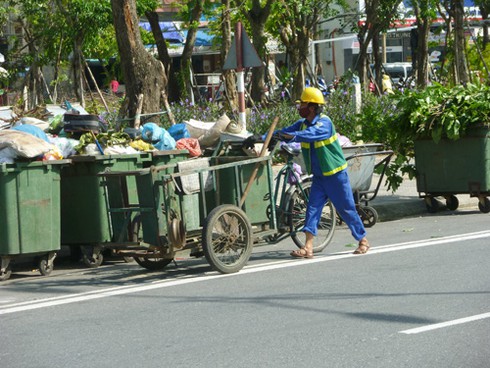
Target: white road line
[(435, 326), (121, 290)]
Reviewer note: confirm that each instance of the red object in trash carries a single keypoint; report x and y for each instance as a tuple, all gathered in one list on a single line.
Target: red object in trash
[(190, 144)]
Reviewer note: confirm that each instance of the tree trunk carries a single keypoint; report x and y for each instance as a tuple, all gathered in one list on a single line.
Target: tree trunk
[(423, 27), (257, 17), (33, 81), (258, 73), (378, 59), (186, 59), (364, 37), (163, 56), (459, 42), (78, 70), (143, 74), (484, 9), (298, 63), (229, 76)]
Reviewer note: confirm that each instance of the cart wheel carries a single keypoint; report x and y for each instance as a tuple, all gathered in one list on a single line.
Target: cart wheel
[(297, 211), (5, 274), (227, 238), (44, 268), (369, 215), (484, 204), (452, 203), (432, 204), (150, 262), (92, 257)]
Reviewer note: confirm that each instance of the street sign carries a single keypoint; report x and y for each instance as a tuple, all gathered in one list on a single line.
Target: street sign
[(250, 58)]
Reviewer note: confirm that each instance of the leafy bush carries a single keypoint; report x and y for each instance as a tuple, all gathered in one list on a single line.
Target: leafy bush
[(440, 112), (186, 110)]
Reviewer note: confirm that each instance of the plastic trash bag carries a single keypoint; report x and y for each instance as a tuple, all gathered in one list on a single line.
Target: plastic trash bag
[(190, 144), (32, 129), (295, 176), (65, 145), (179, 131), (157, 136)]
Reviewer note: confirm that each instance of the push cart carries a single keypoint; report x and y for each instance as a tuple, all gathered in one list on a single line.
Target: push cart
[(218, 207), (29, 214), (363, 161)]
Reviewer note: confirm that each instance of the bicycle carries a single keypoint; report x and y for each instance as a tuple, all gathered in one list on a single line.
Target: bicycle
[(291, 195)]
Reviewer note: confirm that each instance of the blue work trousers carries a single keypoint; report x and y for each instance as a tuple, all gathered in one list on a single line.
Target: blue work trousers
[(336, 188)]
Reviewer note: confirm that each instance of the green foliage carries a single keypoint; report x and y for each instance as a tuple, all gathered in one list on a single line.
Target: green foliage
[(442, 112), (341, 110), (260, 119), (186, 110), (372, 123)]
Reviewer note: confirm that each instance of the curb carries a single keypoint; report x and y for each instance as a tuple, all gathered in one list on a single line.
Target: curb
[(398, 208)]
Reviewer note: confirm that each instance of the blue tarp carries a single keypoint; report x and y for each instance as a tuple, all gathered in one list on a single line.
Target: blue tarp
[(203, 38), (170, 32), (175, 36)]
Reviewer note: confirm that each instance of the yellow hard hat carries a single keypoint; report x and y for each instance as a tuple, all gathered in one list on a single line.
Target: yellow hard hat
[(313, 95)]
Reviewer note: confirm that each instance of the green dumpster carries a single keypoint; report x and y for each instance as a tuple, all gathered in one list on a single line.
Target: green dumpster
[(87, 198), (231, 183), (85, 220), (30, 212), (153, 191), (452, 167)]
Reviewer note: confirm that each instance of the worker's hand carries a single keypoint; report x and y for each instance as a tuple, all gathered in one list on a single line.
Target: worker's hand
[(283, 136), (274, 140), (250, 141)]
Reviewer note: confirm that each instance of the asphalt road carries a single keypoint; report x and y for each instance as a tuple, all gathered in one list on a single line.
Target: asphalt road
[(419, 298)]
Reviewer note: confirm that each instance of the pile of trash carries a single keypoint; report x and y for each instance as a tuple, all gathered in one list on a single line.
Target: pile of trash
[(72, 131)]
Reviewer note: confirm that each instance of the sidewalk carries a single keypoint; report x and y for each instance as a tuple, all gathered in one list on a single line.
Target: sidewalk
[(405, 202)]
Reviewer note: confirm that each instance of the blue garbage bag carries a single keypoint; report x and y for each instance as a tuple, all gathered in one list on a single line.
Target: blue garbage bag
[(32, 129), (179, 131), (157, 136)]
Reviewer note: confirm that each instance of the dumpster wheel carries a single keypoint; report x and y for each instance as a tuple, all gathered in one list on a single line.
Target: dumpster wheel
[(92, 256), (46, 265), (151, 262), (452, 202), (484, 204), (432, 204), (6, 269)]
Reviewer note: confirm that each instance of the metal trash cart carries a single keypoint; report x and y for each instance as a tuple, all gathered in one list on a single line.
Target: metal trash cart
[(85, 223), (219, 207), (454, 167), (30, 214), (363, 161)]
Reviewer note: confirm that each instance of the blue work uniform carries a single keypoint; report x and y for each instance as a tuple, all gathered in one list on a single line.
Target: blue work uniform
[(334, 186)]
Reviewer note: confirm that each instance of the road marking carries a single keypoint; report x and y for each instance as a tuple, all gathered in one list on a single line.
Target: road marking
[(128, 289), (436, 326)]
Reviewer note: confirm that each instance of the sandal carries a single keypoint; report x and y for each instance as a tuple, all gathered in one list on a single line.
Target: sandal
[(301, 253), (363, 247)]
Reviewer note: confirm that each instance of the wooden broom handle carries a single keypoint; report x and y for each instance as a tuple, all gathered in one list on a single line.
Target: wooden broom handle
[(268, 138)]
